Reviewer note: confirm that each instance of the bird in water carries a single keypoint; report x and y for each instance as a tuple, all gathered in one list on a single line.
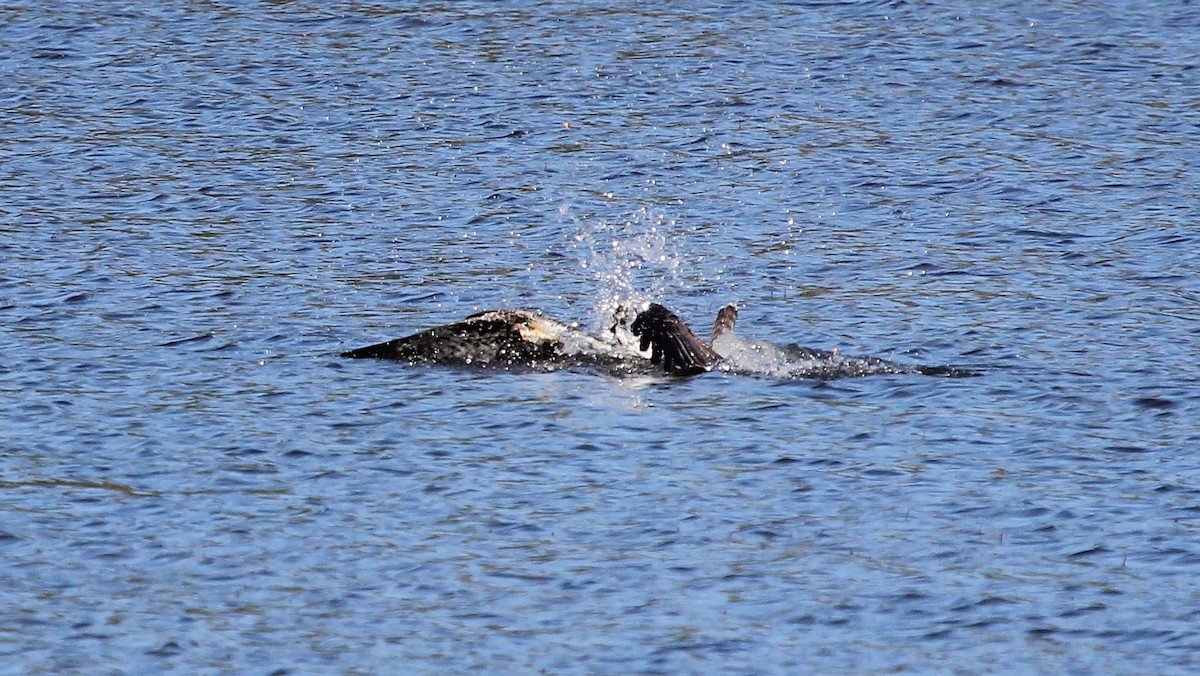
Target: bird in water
[(653, 340)]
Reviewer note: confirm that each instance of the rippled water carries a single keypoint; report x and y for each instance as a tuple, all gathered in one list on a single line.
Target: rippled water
[(204, 203)]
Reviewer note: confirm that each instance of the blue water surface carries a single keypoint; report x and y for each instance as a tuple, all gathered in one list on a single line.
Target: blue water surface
[(202, 204)]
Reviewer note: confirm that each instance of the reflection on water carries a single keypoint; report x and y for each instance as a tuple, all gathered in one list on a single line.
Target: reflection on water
[(203, 205)]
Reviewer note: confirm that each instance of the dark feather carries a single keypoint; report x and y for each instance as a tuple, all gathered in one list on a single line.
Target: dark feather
[(672, 343)]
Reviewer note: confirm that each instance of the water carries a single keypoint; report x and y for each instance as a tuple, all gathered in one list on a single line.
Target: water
[(203, 204)]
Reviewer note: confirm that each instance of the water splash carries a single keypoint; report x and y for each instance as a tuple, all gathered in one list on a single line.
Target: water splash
[(631, 262)]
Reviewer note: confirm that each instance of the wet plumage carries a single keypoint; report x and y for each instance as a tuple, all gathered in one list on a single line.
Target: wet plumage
[(656, 340)]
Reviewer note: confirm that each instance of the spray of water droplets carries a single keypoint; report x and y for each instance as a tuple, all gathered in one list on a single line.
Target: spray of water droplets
[(631, 262)]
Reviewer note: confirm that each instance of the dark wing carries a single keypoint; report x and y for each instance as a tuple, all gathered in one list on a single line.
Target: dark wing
[(387, 350), (726, 319), (672, 344), (477, 340), (448, 344)]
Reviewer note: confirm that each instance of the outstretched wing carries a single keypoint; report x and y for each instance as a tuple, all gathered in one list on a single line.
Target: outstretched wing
[(672, 344), (495, 338), (726, 319)]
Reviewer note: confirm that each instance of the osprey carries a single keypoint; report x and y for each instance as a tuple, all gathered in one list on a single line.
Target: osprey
[(656, 340)]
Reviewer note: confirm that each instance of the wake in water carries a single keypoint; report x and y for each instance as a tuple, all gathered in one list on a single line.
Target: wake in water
[(758, 357)]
